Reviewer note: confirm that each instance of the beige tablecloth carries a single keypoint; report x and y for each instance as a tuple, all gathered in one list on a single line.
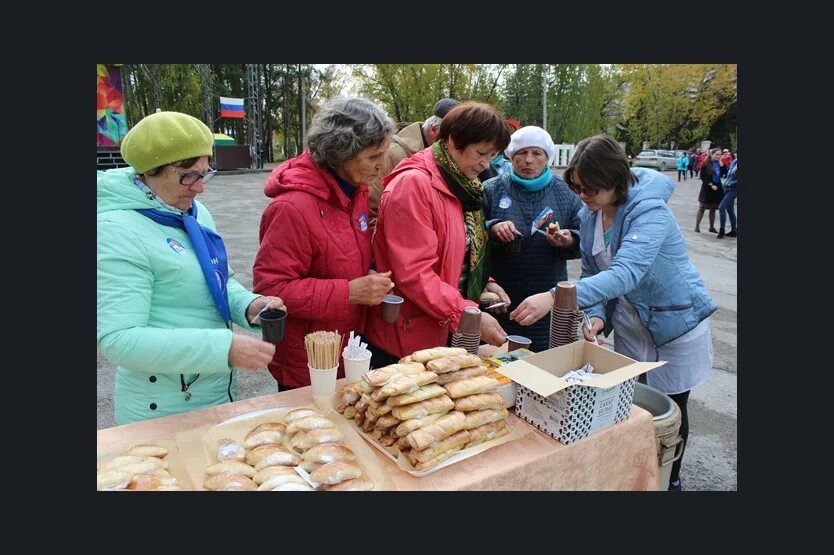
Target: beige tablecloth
[(621, 457)]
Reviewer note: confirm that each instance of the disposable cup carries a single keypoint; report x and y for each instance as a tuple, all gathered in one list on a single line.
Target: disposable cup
[(565, 295), (323, 382), (355, 367), (391, 308), (470, 322), (273, 324), (518, 342)]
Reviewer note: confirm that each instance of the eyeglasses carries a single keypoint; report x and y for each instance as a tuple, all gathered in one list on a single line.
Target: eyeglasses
[(190, 178), (587, 191)]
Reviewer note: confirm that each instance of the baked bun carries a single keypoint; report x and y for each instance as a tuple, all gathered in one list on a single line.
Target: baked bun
[(265, 474), (335, 472), (229, 482), (147, 451), (355, 484), (230, 467), (230, 450)]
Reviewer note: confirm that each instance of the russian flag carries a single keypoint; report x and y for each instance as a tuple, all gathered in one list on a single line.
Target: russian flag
[(231, 107)]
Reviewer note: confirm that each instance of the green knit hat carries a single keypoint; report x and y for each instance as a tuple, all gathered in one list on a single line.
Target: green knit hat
[(165, 137)]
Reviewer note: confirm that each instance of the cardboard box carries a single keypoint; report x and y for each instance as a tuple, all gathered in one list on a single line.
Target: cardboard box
[(508, 388), (570, 412)]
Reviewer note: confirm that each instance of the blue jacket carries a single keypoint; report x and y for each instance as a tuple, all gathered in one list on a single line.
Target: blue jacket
[(683, 163), (649, 264)]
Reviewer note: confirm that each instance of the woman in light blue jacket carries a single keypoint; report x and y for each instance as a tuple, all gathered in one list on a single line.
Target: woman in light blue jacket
[(637, 278), (683, 165)]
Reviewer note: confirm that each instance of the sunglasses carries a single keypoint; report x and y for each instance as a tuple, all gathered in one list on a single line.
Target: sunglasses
[(190, 178), (587, 191)]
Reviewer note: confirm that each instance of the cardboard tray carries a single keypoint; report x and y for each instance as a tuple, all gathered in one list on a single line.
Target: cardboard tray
[(198, 445), (517, 430)]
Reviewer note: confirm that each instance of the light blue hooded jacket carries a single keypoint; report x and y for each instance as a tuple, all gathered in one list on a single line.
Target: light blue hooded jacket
[(649, 264)]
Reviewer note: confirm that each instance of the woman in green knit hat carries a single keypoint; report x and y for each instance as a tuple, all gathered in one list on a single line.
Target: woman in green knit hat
[(166, 295)]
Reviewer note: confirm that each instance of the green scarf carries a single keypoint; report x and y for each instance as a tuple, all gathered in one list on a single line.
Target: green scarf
[(470, 193)]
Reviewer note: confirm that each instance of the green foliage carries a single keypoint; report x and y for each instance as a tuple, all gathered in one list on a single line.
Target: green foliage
[(658, 103)]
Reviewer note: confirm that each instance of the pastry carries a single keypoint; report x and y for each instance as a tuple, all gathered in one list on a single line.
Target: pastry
[(403, 384), (355, 484), (453, 363), (470, 386), (426, 355), (425, 465), (479, 401), (229, 482), (423, 408), (442, 428), (276, 481), (296, 414), (443, 379), (255, 455), (488, 297), (456, 440), (423, 393), (305, 440), (111, 480), (410, 425), (309, 423), (230, 467), (276, 458), (292, 486), (230, 450), (335, 472), (380, 376), (480, 417), (270, 471), (487, 432), (147, 451)]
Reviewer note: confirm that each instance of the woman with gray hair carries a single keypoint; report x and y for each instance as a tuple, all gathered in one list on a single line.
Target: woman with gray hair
[(315, 244)]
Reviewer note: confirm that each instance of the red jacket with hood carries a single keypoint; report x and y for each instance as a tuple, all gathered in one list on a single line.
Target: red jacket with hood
[(313, 241), (420, 236)]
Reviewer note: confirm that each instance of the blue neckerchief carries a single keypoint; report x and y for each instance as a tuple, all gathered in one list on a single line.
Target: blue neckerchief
[(716, 172), (210, 251), (535, 184)]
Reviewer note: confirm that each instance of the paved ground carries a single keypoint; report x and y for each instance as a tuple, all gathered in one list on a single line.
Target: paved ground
[(710, 462)]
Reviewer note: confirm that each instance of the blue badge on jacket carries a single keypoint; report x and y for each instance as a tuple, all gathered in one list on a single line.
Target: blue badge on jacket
[(505, 202), (174, 244), (363, 221)]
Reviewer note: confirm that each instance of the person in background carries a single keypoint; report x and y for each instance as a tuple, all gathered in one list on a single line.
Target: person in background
[(726, 160), (693, 162), (406, 142), (431, 235), (166, 296), (727, 206), (637, 279), (710, 196), (315, 241), (511, 202), (682, 165)]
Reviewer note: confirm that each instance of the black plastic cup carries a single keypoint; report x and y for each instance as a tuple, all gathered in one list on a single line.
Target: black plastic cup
[(273, 324), (514, 246)]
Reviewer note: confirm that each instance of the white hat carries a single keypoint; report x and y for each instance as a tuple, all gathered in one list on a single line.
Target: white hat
[(531, 136), (725, 150)]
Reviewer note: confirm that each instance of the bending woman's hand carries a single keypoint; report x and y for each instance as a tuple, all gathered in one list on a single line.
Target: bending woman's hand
[(249, 353), (532, 308), (491, 330)]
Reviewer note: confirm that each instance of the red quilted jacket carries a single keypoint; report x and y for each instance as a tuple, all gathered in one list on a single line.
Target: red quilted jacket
[(313, 241), (420, 236)]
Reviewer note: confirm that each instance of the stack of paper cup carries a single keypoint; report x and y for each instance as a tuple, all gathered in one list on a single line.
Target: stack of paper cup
[(468, 334), (564, 316)]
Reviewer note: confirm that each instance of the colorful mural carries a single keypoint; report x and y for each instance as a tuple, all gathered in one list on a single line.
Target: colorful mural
[(111, 123)]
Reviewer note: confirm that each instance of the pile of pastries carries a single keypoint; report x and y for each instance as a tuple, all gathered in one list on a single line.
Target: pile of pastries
[(267, 458), (140, 468), (429, 406)]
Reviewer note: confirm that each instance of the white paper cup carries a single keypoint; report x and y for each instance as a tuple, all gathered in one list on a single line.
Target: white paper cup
[(355, 367), (323, 382)]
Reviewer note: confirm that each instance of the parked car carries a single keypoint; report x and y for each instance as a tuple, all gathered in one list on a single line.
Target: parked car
[(658, 159)]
